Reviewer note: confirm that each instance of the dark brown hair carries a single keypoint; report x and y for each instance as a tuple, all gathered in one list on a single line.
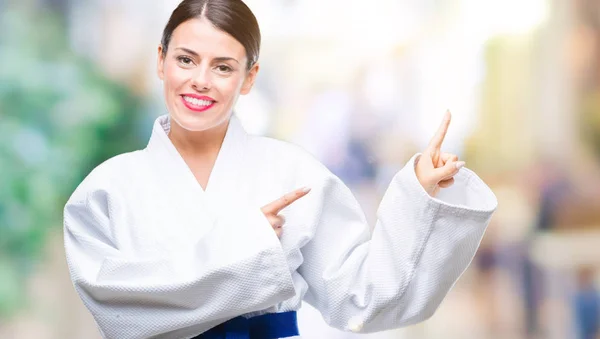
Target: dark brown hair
[(230, 16)]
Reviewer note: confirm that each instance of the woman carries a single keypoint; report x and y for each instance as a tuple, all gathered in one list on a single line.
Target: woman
[(185, 238)]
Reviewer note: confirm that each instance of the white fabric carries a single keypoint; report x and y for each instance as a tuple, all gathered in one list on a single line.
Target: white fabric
[(153, 255)]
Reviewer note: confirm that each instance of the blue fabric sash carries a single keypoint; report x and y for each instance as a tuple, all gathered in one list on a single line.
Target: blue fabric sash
[(266, 326)]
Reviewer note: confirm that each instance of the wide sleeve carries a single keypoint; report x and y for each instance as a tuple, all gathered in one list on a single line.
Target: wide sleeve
[(235, 268), (398, 274)]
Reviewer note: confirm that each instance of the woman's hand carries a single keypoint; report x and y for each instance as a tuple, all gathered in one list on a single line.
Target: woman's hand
[(434, 168), (271, 210)]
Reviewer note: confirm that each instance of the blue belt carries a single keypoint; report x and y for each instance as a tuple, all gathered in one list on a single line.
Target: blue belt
[(266, 326)]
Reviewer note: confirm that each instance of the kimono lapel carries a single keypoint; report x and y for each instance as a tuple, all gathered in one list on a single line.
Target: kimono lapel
[(224, 175)]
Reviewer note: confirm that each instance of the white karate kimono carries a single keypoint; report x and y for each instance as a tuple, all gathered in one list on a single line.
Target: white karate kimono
[(153, 255)]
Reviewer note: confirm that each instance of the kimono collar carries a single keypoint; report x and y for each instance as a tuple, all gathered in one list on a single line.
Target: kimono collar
[(227, 165)]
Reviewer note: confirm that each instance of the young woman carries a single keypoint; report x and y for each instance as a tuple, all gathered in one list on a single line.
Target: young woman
[(186, 237)]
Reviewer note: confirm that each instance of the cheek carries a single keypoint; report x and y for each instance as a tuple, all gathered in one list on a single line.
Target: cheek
[(230, 87), (174, 77)]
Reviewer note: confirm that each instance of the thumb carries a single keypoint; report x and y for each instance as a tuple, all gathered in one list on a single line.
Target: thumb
[(449, 170)]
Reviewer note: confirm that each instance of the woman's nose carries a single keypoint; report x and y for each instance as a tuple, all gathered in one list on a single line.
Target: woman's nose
[(201, 80)]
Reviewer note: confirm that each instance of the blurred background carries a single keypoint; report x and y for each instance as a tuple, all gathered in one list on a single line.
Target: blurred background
[(363, 86)]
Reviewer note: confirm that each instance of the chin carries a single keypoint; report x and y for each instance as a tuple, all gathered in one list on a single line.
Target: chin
[(197, 122)]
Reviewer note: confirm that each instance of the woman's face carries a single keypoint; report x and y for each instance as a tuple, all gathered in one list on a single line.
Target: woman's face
[(203, 72)]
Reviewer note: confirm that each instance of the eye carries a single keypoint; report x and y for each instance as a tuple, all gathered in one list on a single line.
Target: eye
[(224, 69), (185, 60)]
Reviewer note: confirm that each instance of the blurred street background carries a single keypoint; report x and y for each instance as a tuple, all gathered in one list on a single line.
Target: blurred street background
[(362, 85)]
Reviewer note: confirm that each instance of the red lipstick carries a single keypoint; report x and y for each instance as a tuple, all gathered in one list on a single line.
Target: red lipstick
[(197, 103)]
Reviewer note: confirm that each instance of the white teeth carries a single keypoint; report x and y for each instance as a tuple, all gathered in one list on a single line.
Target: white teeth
[(197, 102)]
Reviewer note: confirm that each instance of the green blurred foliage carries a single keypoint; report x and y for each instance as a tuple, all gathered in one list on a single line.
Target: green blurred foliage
[(59, 118), (590, 120)]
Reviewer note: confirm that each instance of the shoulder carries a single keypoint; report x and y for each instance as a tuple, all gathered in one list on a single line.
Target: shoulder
[(108, 175), (292, 156)]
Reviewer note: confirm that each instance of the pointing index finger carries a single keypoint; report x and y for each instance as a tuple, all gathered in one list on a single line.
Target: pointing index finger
[(283, 202), (438, 138)]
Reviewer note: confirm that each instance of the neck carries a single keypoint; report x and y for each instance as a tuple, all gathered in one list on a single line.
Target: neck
[(198, 143)]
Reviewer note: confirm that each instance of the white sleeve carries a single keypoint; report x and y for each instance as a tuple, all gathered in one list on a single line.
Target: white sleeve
[(400, 274), (238, 267)]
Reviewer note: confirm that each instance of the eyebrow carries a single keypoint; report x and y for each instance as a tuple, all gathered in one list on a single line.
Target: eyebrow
[(189, 51)]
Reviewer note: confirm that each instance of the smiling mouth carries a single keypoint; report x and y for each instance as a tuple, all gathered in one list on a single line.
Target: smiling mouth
[(197, 105)]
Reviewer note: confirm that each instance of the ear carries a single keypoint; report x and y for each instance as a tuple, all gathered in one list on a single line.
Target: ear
[(160, 66), (250, 78)]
